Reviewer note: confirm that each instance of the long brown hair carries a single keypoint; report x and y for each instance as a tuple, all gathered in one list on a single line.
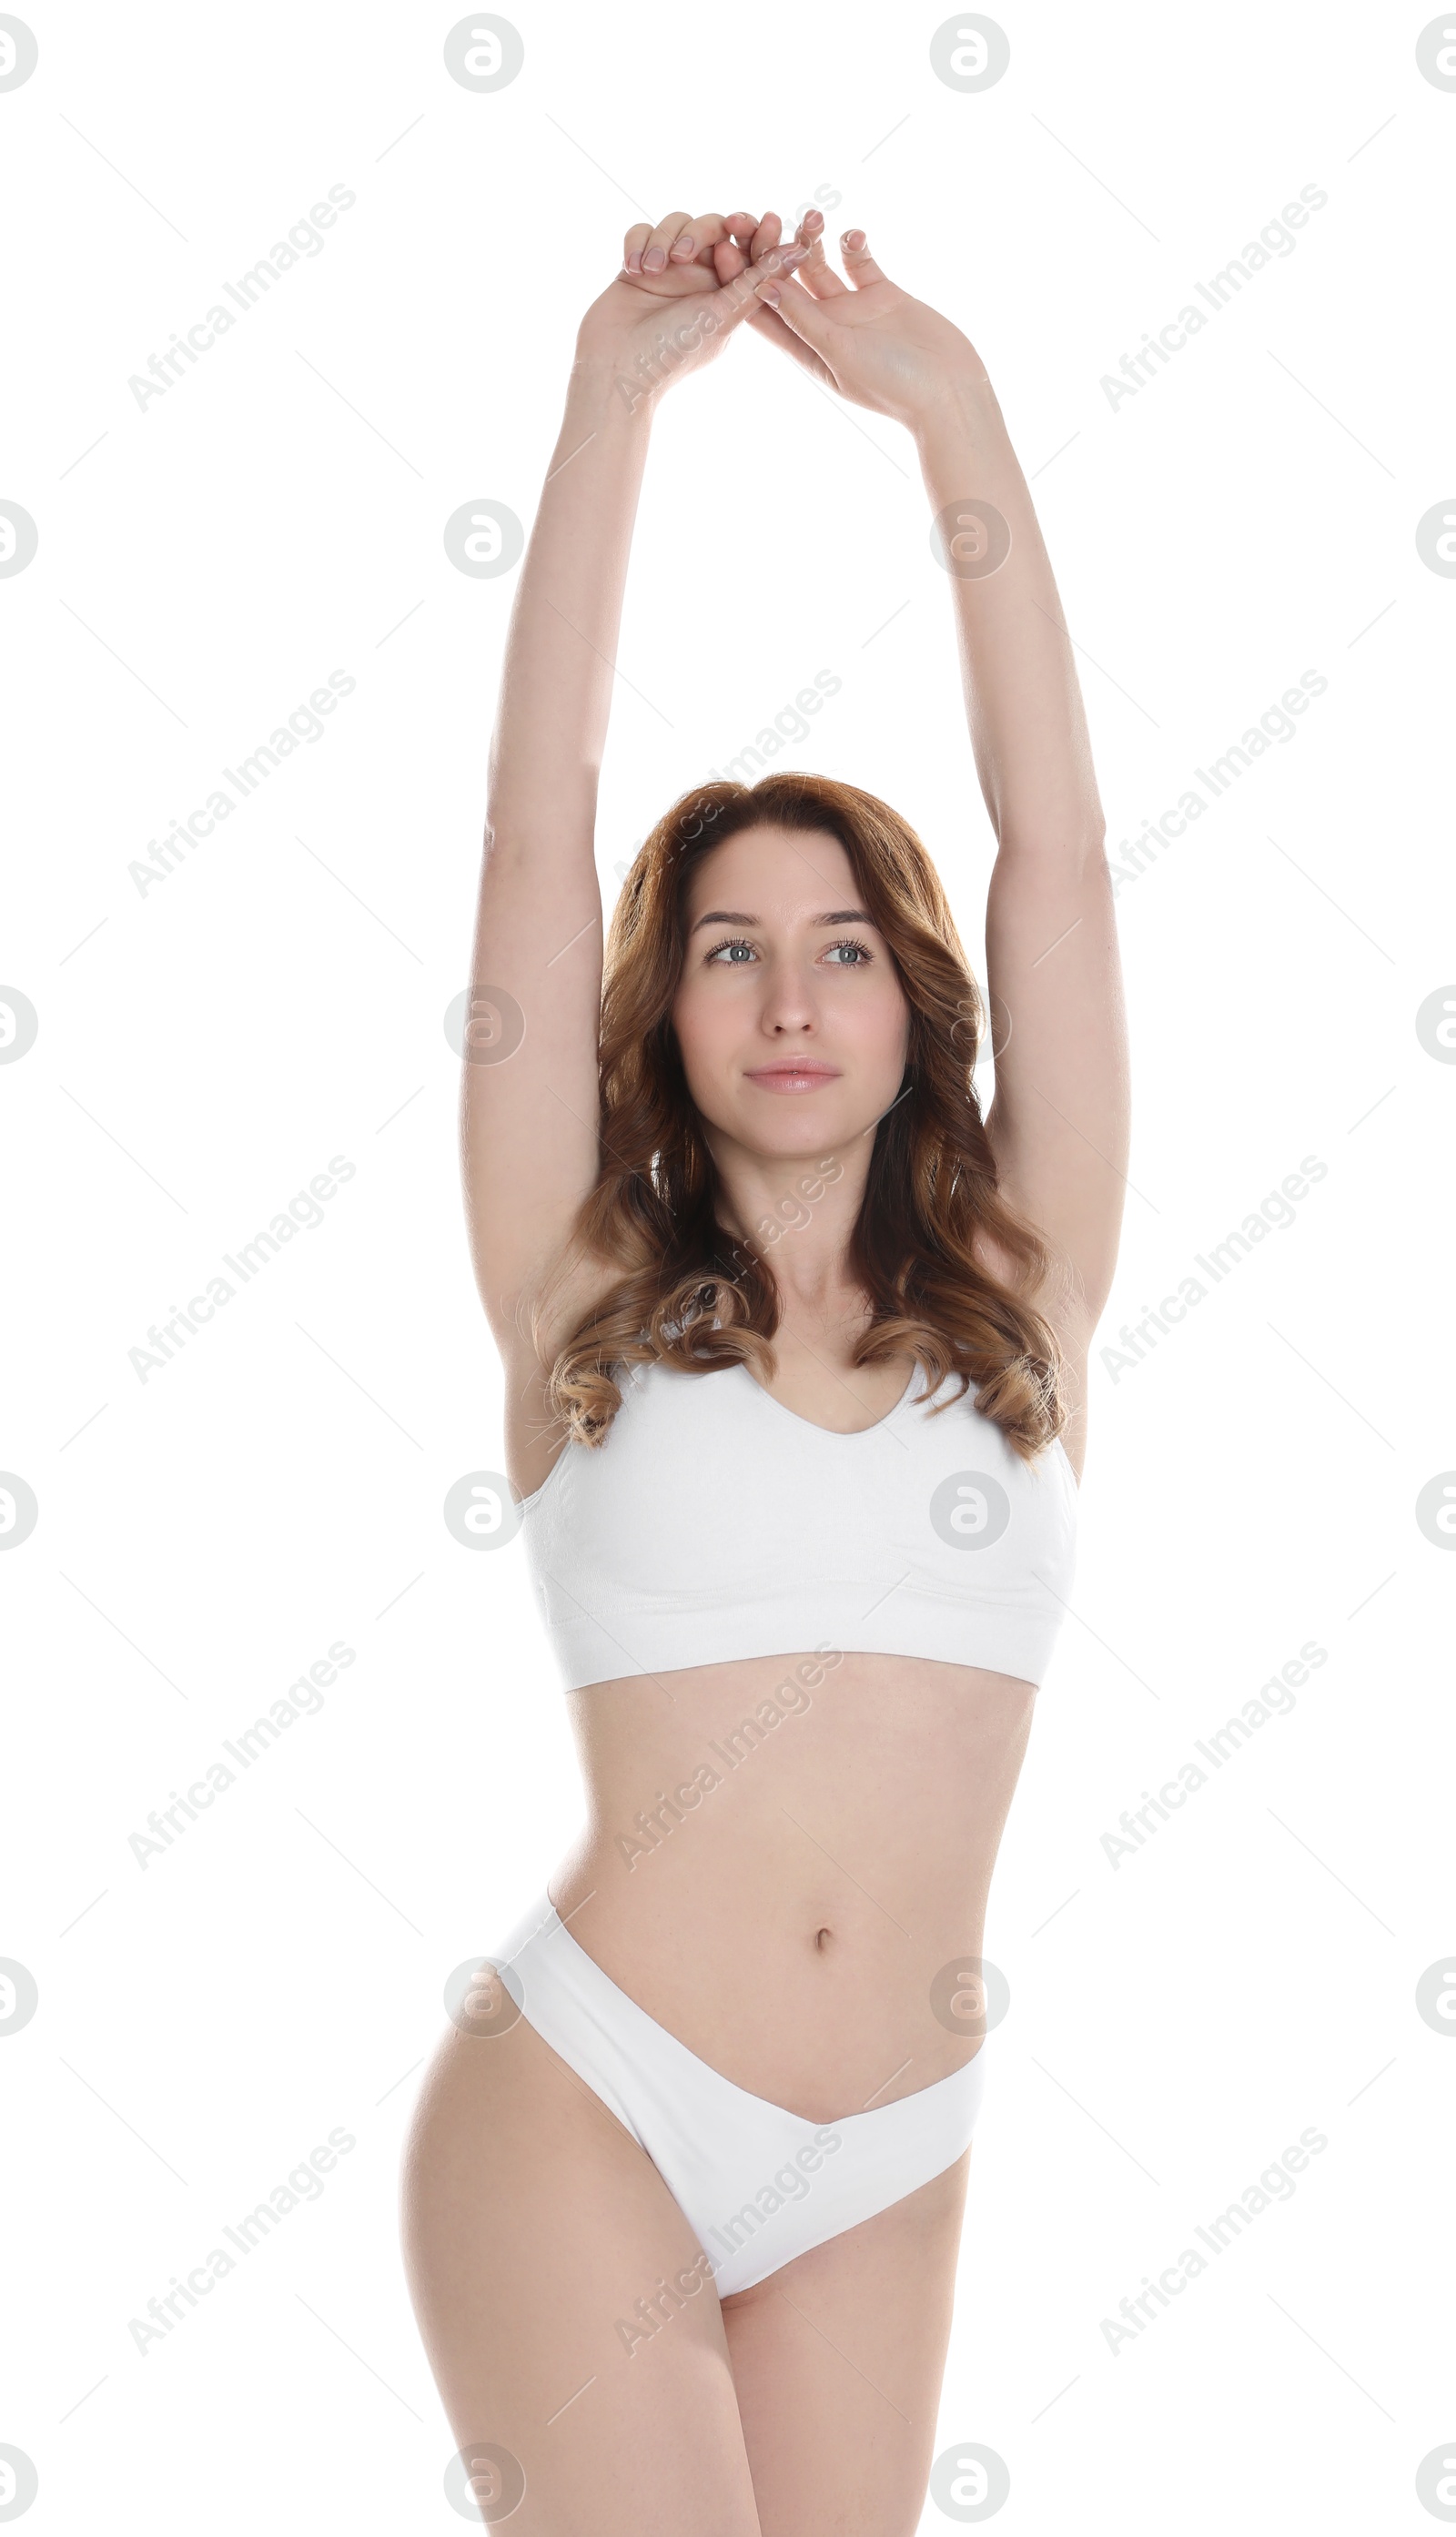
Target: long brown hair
[(688, 1294)]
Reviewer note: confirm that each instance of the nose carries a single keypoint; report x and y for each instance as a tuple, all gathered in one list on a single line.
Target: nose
[(790, 1007)]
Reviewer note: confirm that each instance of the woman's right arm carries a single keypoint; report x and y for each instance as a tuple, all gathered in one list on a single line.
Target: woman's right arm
[(529, 1103), (529, 1111)]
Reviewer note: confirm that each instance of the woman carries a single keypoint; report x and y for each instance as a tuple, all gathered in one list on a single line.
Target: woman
[(795, 1350)]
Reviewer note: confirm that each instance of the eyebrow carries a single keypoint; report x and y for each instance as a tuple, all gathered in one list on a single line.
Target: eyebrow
[(734, 916)]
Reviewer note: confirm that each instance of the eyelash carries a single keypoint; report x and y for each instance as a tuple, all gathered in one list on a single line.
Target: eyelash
[(846, 943)]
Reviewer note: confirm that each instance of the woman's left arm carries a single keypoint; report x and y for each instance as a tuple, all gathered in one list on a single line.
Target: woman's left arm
[(1058, 1124), (1059, 1121)]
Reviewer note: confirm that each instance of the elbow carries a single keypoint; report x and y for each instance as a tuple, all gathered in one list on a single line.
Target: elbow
[(1078, 846)]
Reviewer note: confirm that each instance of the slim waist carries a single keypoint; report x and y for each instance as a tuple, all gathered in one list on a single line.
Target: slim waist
[(564, 1991), (828, 2033)]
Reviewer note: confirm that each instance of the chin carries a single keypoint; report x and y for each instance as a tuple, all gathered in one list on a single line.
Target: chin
[(802, 1123)]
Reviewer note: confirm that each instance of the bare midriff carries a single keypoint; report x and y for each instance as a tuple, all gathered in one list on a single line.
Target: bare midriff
[(801, 1903)]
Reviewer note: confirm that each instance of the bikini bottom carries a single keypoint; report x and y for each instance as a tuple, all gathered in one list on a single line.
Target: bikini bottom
[(756, 2185)]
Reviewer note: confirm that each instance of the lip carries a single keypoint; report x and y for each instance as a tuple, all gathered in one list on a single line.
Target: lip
[(804, 1076)]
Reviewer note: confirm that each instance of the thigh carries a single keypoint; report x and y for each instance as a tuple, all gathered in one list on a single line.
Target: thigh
[(839, 2359), (567, 2315)]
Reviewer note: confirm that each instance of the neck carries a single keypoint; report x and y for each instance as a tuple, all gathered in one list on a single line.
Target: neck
[(798, 1212)]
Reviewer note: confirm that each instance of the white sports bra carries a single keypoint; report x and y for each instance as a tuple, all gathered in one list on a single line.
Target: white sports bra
[(714, 1524)]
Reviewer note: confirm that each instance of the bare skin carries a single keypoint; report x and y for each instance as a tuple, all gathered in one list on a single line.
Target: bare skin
[(535, 2223), (790, 1931)]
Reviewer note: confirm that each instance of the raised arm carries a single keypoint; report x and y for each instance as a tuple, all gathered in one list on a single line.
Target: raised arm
[(529, 1109), (1058, 1122)]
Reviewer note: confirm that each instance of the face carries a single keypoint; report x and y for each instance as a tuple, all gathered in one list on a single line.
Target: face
[(792, 1023)]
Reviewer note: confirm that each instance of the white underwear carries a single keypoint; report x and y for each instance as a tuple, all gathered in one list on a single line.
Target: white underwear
[(756, 2185)]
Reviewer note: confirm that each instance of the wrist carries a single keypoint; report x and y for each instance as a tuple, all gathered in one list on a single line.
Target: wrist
[(966, 410), (605, 392)]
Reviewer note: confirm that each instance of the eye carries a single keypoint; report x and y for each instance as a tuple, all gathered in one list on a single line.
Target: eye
[(731, 943), (866, 955)]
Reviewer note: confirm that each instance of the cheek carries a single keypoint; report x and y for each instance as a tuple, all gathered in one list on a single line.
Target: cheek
[(881, 1029), (706, 1030)]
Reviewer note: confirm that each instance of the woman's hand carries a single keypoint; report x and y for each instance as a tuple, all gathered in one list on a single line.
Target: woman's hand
[(864, 336), (682, 288)]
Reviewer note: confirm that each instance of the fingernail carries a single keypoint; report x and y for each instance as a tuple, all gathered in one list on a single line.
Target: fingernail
[(654, 260), (854, 238), (769, 293)]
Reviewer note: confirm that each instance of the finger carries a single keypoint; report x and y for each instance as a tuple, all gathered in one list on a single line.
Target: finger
[(799, 309), (805, 323), (767, 322), (738, 300), (703, 233), (743, 228), (817, 272), (655, 252), (859, 264), (695, 242), (632, 245)]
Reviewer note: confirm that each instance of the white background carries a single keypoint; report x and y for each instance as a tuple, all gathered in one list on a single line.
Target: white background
[(205, 1048)]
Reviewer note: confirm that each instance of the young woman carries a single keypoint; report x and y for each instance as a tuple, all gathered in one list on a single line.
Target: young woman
[(795, 1348)]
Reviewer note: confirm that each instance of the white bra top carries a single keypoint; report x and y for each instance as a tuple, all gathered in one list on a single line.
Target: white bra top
[(714, 1524)]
